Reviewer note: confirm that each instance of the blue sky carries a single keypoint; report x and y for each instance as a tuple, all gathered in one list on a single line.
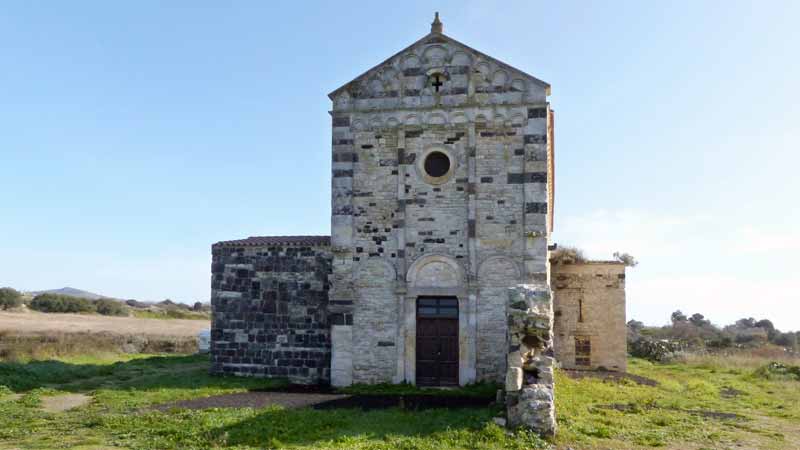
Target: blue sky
[(134, 135)]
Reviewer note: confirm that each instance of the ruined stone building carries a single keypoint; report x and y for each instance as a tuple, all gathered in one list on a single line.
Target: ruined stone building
[(442, 198)]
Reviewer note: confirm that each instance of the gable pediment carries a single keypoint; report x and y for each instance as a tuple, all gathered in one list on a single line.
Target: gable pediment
[(439, 66)]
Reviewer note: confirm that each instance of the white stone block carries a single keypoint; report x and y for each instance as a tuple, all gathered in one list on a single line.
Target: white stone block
[(513, 379)]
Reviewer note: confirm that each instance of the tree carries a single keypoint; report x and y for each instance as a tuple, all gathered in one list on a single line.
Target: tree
[(635, 325), (108, 307), (626, 258), (699, 320), (10, 298), (748, 322), (765, 324), (678, 317), (788, 340)]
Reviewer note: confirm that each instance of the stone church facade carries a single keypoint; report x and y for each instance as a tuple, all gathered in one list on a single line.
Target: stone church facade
[(442, 198)]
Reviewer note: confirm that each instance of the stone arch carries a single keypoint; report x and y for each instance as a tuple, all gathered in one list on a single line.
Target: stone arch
[(410, 62), (436, 119), (435, 56), (483, 69), (458, 117), (518, 85), (460, 59), (499, 78), (358, 125), (376, 122), (436, 271), (500, 271), (375, 272), (411, 119)]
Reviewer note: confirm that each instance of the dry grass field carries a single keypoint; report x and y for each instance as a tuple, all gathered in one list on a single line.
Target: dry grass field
[(39, 323)]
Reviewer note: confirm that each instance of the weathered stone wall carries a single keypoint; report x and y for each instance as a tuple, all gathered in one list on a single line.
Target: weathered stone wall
[(269, 309), (589, 304), (530, 384), (483, 226)]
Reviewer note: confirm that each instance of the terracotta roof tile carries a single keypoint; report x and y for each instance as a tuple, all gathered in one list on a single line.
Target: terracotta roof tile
[(260, 241)]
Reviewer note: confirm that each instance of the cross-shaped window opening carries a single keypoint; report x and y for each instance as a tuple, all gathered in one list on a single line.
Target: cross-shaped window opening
[(437, 82)]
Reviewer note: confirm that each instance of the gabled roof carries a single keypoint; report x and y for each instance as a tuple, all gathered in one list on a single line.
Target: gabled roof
[(438, 37)]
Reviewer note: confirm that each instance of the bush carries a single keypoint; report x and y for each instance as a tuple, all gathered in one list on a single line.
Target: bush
[(567, 255), (108, 307), (137, 304), (656, 351), (778, 370), (54, 303), (10, 298)]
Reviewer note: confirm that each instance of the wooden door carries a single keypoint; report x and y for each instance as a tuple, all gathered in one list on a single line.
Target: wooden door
[(437, 341)]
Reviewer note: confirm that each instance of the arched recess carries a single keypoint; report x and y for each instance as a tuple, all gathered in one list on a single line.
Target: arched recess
[(436, 271)]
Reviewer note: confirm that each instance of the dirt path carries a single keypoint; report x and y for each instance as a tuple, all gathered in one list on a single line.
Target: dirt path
[(262, 399), (36, 322), (253, 400), (59, 403)]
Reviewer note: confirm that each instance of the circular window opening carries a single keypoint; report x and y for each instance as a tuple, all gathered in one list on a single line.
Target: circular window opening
[(437, 164)]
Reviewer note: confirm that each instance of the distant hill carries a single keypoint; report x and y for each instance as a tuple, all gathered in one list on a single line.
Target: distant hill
[(72, 292)]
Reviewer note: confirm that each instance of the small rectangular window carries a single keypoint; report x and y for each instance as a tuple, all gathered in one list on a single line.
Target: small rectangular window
[(583, 351)]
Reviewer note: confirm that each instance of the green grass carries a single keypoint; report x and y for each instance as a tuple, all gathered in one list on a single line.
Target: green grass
[(683, 408), (592, 414)]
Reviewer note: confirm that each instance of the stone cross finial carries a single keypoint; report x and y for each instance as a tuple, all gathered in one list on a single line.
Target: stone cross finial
[(436, 26)]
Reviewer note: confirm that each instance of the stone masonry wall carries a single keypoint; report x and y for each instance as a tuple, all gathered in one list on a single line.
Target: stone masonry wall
[(589, 301), (269, 306)]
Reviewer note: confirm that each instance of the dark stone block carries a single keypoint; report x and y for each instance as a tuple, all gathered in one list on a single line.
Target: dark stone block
[(536, 208), (537, 113), (341, 121), (342, 173), (527, 177), (535, 138)]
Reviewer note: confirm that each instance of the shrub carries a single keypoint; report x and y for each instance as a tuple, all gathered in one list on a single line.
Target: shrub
[(54, 303), (10, 298), (567, 255), (656, 351), (137, 304), (108, 307), (778, 370)]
